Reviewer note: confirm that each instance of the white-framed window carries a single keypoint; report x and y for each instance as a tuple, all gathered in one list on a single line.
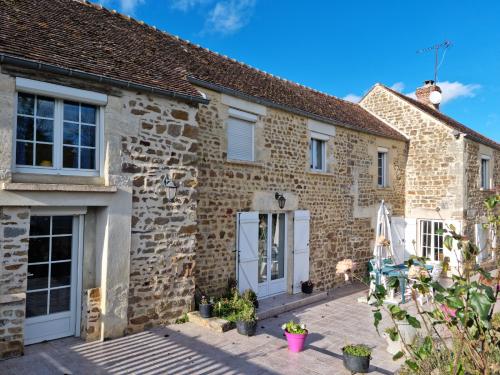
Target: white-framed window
[(317, 152), (58, 129), (485, 172), (431, 239), (382, 180), (241, 135)]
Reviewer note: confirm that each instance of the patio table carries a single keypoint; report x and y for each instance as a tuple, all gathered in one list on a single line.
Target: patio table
[(401, 272)]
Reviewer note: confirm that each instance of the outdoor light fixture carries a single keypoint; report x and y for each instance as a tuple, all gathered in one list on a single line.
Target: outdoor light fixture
[(170, 187), (281, 200)]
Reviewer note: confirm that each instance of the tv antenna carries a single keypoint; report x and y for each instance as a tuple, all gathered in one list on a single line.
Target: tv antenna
[(444, 46)]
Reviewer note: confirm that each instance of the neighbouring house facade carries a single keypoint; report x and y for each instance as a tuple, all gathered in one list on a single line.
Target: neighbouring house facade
[(136, 167), (450, 171)]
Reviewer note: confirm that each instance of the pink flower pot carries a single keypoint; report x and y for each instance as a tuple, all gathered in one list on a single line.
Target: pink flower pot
[(296, 341)]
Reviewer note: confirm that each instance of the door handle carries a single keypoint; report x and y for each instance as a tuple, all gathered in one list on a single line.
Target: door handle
[(31, 274)]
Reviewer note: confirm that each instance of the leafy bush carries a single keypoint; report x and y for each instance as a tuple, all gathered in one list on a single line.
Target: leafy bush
[(292, 327), (245, 310), (183, 319), (357, 350), (249, 295), (235, 307), (392, 332)]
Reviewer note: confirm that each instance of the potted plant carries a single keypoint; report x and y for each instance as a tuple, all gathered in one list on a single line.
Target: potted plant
[(246, 322), (307, 286), (205, 307), (251, 296), (295, 335), (357, 358)]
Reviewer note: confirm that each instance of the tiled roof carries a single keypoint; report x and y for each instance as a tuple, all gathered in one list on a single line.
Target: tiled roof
[(89, 38), (471, 134)]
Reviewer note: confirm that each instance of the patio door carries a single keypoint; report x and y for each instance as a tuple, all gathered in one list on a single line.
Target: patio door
[(51, 298), (272, 254)]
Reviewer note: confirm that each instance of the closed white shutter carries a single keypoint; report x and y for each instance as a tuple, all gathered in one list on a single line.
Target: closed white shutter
[(240, 139), (482, 242), (455, 255), (248, 250), (300, 249), (398, 238), (410, 237)]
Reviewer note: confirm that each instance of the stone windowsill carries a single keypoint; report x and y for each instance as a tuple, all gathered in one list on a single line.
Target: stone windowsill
[(384, 188), (245, 163), (487, 190), (11, 298), (320, 173), (22, 186)]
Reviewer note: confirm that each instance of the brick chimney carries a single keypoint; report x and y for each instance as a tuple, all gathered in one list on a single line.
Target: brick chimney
[(423, 93)]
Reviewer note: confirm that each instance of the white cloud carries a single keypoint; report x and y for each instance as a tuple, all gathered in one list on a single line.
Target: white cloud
[(185, 5), (228, 16), (454, 90), (398, 86), (352, 98)]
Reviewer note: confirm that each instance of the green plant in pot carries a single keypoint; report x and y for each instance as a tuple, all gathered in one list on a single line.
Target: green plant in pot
[(205, 307), (357, 358), (246, 321), (250, 296)]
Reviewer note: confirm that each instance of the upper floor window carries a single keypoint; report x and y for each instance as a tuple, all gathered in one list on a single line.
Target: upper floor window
[(55, 135), (485, 173), (317, 150), (382, 180), (241, 135)]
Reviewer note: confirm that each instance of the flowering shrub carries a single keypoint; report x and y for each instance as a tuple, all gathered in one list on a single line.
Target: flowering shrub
[(292, 327)]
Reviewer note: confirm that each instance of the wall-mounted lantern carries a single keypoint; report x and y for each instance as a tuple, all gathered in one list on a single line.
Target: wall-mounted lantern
[(170, 188), (281, 200)]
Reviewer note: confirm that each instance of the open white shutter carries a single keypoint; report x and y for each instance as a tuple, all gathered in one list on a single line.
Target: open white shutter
[(454, 255), (410, 237), (300, 249), (481, 242), (398, 238), (248, 250)]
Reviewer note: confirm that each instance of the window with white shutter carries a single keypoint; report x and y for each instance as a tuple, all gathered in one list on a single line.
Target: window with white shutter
[(240, 139)]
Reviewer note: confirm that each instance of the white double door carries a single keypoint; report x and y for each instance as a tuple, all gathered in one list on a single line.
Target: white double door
[(262, 247), (51, 298)]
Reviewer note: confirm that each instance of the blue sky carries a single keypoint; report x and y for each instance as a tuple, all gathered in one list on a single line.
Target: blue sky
[(343, 48)]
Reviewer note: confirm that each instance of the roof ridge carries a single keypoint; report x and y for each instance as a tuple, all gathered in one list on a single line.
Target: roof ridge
[(114, 12)]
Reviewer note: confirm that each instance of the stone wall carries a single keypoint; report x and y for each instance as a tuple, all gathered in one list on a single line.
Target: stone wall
[(163, 233), (435, 167), (91, 315), (342, 201), (14, 231)]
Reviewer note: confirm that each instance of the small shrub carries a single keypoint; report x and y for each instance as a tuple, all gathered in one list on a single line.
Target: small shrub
[(183, 319), (249, 295), (357, 350), (392, 332), (245, 311)]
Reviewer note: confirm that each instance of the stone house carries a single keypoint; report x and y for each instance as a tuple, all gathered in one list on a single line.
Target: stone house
[(450, 171), (136, 166)]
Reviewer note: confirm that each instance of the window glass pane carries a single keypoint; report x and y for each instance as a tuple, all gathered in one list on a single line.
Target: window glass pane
[(87, 160), (70, 157), (70, 133), (61, 248), (44, 130), (59, 300), (36, 304), (25, 128), (38, 250), (24, 153), (25, 104), (43, 155), (45, 107), (71, 111), (39, 225), (88, 136), (38, 276), (60, 274), (62, 224), (319, 155), (262, 248), (88, 114), (278, 247)]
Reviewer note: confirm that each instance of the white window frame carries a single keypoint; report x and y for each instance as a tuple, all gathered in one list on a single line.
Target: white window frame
[(251, 119), (315, 139), (432, 247), (485, 174), (60, 94), (385, 174)]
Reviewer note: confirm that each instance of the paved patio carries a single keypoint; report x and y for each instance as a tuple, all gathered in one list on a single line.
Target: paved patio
[(189, 349)]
